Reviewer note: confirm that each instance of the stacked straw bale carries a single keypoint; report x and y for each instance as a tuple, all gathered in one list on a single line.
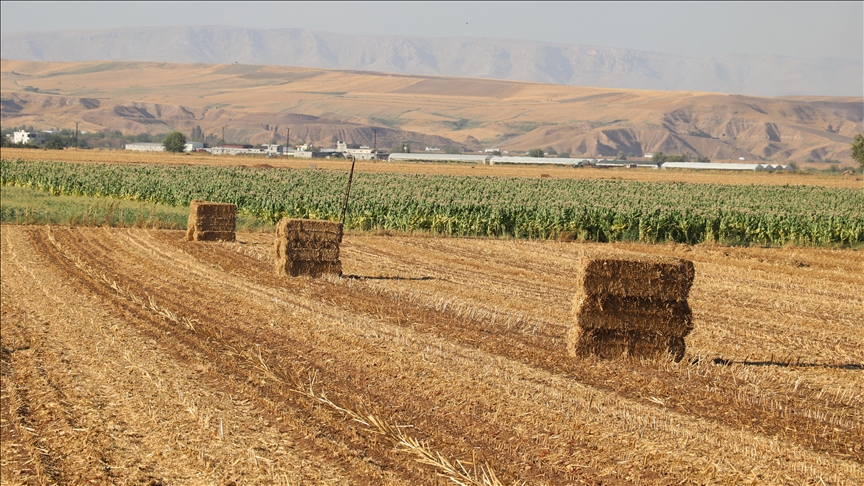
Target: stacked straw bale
[(631, 306), (210, 221), (308, 247)]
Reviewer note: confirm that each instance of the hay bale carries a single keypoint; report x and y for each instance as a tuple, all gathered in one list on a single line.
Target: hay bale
[(638, 314), (210, 221), (634, 307), (611, 344), (648, 277), (307, 247)]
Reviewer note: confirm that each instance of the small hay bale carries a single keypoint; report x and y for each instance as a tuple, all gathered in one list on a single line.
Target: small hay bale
[(210, 221), (635, 307), (307, 247)]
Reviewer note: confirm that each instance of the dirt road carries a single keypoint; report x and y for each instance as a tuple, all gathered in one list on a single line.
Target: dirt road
[(134, 357)]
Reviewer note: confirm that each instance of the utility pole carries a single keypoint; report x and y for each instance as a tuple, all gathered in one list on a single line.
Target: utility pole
[(76, 135), (223, 135), (374, 139), (288, 138)]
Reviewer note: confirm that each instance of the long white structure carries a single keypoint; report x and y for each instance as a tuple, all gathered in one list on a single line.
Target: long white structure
[(158, 147), (720, 166), (510, 159), (473, 159)]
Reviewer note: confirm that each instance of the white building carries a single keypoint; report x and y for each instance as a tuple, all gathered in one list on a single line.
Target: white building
[(26, 137), (236, 151), (723, 166), (359, 152), (145, 147), (649, 156), (158, 147), (420, 157), (572, 162)]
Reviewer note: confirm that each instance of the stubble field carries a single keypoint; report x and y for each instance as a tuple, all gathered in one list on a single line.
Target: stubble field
[(133, 357)]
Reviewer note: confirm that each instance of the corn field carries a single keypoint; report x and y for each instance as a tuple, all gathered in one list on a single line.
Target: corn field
[(592, 210)]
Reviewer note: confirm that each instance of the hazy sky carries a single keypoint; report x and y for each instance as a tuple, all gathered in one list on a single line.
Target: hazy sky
[(796, 29)]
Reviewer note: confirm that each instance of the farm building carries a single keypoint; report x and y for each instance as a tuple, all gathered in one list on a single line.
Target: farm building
[(627, 163), (471, 159), (24, 136), (236, 149), (505, 159), (719, 166), (157, 147)]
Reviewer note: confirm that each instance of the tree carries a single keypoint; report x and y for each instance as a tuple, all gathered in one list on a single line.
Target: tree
[(197, 134), (564, 155), (174, 142), (858, 149), (535, 152), (452, 150), (621, 155)]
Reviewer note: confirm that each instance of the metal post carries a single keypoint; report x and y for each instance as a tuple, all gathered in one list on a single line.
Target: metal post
[(347, 191), (76, 135)]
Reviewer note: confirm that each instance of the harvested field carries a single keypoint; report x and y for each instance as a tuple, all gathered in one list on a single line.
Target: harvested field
[(135, 357)]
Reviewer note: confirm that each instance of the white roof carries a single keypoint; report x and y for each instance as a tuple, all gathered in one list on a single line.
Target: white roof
[(510, 159), (440, 157), (711, 166)]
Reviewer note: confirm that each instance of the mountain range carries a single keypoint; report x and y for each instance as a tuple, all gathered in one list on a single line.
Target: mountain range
[(255, 104), (518, 60)]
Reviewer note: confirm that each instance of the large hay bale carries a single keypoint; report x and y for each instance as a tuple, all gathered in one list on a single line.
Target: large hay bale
[(307, 247), (634, 307), (210, 221)]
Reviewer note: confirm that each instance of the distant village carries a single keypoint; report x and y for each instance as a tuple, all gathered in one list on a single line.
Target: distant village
[(489, 156)]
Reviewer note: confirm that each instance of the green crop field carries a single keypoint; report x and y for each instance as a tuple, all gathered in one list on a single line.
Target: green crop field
[(482, 206)]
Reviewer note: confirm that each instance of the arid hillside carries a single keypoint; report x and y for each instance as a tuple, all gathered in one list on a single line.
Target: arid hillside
[(257, 103)]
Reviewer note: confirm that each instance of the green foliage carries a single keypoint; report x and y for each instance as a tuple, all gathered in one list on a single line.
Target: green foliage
[(197, 134), (858, 149), (59, 141), (452, 150), (564, 155), (405, 148), (536, 152), (24, 205), (621, 155), (702, 158), (593, 210), (174, 142)]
